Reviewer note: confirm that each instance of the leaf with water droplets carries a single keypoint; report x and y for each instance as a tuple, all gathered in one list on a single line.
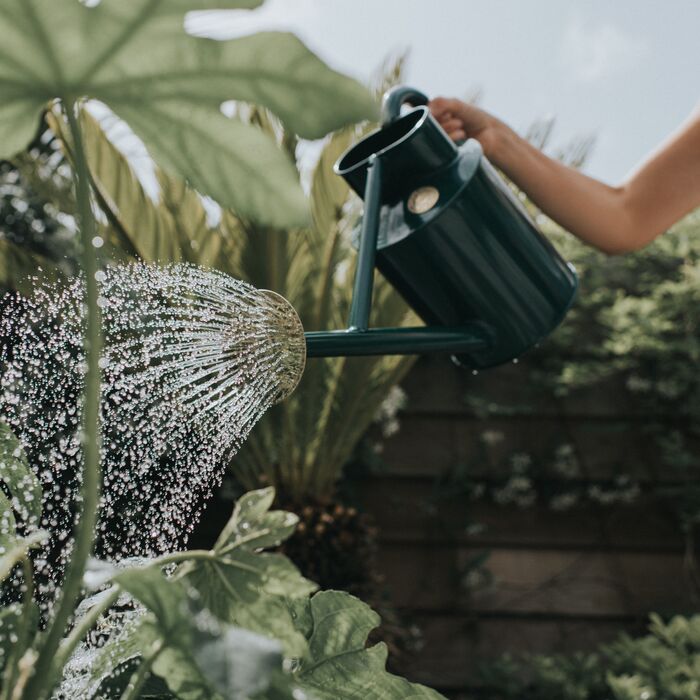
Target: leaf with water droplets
[(250, 588), (253, 525), (18, 478), (17, 548), (339, 664), (201, 653)]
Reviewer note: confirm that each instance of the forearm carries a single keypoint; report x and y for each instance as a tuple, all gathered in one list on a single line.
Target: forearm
[(660, 191), (593, 211)]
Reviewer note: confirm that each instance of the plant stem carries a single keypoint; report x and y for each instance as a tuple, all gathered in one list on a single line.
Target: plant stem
[(177, 557), (133, 689), (43, 680), (83, 627)]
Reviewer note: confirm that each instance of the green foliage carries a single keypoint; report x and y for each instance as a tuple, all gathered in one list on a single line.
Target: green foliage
[(256, 585), (24, 502), (636, 321), (134, 56), (301, 445), (237, 622), (663, 665), (634, 334), (37, 234), (338, 663)]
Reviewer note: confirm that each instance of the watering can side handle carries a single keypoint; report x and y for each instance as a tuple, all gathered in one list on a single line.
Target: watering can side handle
[(397, 96)]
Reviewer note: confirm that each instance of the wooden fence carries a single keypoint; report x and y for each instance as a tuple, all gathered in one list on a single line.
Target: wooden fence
[(481, 579)]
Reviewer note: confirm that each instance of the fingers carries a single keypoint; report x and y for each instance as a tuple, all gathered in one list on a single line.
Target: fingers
[(443, 110), (441, 105), (451, 124)]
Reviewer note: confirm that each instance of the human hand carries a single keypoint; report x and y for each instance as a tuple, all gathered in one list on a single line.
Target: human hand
[(462, 121)]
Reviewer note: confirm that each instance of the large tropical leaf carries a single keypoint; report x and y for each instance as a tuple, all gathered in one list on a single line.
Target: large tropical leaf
[(200, 654), (135, 56), (246, 587), (339, 664)]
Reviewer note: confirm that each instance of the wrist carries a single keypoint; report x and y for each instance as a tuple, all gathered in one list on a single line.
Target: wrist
[(499, 141)]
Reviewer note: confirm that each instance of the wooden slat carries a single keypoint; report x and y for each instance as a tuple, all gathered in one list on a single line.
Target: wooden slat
[(432, 445), (454, 646), (437, 386), (552, 582), (411, 510)]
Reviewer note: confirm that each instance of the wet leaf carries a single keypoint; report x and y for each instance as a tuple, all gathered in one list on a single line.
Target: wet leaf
[(201, 653), (15, 549), (250, 588), (19, 479)]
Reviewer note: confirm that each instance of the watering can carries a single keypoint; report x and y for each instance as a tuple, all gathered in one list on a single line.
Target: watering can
[(447, 232)]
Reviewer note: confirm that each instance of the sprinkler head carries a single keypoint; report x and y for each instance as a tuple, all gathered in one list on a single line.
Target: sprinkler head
[(286, 332)]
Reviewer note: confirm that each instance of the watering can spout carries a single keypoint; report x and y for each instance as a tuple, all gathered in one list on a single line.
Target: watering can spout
[(450, 236)]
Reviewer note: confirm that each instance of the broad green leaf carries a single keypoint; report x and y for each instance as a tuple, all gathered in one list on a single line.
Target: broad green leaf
[(135, 56), (253, 526), (338, 663), (232, 162), (249, 588), (201, 652), (15, 549), (18, 478)]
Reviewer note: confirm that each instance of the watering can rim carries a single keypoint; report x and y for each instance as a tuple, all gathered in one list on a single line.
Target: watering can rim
[(338, 168)]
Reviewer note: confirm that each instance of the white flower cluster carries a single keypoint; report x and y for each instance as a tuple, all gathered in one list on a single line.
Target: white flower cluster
[(387, 414)]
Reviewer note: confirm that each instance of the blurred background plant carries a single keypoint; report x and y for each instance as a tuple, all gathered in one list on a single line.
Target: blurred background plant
[(37, 225), (662, 665)]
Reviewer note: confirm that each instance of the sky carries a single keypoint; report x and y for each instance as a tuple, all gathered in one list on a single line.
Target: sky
[(626, 71)]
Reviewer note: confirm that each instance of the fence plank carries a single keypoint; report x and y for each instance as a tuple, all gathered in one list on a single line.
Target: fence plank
[(553, 582), (454, 646), (413, 509)]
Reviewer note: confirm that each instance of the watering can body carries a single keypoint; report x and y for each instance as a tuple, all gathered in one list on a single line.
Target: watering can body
[(456, 243)]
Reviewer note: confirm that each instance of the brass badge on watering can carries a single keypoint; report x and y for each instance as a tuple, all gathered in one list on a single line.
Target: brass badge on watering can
[(423, 199)]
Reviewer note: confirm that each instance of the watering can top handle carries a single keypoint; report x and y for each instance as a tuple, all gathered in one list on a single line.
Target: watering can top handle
[(393, 100)]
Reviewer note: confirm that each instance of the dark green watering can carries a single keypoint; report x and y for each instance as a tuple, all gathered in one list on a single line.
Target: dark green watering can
[(448, 234)]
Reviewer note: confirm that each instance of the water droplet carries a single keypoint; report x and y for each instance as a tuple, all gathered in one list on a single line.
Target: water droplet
[(192, 359)]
